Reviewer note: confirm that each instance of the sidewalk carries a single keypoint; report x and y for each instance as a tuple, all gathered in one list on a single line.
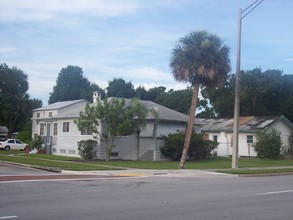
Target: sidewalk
[(155, 173)]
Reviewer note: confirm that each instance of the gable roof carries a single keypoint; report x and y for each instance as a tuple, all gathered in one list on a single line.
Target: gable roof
[(59, 105), (164, 113), (246, 123)]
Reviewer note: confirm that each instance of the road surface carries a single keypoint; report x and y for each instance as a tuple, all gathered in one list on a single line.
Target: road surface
[(215, 198)]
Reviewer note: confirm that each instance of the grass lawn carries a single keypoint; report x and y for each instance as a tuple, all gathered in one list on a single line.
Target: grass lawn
[(218, 163)]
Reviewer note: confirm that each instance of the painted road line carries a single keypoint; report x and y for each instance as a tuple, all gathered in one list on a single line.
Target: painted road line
[(131, 174), (275, 192), (8, 217)]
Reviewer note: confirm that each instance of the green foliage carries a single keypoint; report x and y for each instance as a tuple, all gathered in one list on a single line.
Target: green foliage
[(72, 85), (291, 143), (262, 93), (111, 116), (24, 136), (36, 143), (268, 144), (86, 148), (198, 148), (118, 88), (178, 100), (16, 106)]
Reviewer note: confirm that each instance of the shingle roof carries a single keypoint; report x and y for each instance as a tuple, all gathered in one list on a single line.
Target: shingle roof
[(247, 123), (58, 105), (164, 113)]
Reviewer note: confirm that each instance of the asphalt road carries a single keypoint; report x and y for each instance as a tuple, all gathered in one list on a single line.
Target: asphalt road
[(261, 198)]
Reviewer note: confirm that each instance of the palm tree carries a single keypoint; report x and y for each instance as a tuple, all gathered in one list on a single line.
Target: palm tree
[(201, 59), (139, 114)]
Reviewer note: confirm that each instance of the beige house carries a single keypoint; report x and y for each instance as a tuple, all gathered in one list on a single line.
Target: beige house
[(55, 123)]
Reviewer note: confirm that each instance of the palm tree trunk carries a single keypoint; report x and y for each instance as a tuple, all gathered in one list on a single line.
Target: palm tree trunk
[(190, 124), (138, 145)]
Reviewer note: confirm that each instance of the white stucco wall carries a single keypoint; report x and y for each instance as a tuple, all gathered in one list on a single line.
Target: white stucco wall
[(225, 144)]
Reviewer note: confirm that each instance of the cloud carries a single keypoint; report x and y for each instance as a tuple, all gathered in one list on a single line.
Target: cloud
[(36, 10), (7, 49)]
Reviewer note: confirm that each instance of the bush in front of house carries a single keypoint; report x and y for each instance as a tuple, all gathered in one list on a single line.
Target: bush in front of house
[(86, 148), (198, 148), (24, 136), (268, 144), (36, 143)]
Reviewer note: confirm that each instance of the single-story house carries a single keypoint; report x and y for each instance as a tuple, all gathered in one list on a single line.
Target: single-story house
[(221, 130), (55, 123)]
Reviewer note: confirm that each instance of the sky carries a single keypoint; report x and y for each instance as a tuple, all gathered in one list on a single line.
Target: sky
[(133, 39)]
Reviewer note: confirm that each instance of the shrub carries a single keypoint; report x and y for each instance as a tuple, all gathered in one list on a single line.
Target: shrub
[(24, 136), (198, 148), (36, 143), (268, 144), (86, 148), (290, 150)]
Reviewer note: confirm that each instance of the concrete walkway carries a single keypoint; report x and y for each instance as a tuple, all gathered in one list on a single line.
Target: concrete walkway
[(154, 173)]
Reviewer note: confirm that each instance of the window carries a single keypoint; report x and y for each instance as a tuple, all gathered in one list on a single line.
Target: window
[(50, 114), (38, 115), (215, 138), (86, 132), (42, 128), (205, 137), (249, 139), (55, 129), (65, 126)]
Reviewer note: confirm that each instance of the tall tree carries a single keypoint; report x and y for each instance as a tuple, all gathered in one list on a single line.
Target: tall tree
[(178, 100), (15, 105), (120, 89), (199, 58), (263, 93), (153, 93), (106, 120), (71, 85)]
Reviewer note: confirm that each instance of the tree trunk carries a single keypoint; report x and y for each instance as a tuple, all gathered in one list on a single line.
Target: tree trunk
[(190, 124), (138, 145)]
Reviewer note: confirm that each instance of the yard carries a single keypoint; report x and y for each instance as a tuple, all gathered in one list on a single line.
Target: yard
[(221, 164)]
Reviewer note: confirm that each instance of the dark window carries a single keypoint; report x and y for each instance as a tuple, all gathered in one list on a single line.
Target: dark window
[(249, 139), (65, 126)]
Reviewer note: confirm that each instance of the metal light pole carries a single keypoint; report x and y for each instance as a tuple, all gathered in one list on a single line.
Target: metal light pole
[(241, 14)]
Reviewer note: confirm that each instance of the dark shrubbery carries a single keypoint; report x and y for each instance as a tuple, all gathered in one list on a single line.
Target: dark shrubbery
[(86, 148), (198, 148), (24, 136), (268, 144)]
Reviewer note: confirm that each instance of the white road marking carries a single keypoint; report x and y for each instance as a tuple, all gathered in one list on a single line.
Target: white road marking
[(275, 192), (8, 217)]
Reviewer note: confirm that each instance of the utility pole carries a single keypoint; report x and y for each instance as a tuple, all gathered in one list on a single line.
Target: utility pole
[(241, 14)]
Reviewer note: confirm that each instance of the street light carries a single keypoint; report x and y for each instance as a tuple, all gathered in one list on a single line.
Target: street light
[(241, 14)]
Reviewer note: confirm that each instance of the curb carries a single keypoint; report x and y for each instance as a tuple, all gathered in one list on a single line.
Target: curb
[(50, 169)]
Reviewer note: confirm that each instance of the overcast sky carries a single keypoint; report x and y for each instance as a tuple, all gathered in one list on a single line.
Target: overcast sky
[(133, 39)]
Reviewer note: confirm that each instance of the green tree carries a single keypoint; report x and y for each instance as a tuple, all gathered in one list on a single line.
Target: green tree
[(263, 93), (140, 93), (199, 148), (153, 93), (139, 113), (106, 120), (178, 100), (268, 144), (71, 85), (16, 106), (199, 58), (118, 88)]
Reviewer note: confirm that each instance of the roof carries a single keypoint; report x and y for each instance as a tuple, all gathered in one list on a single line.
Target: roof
[(164, 113), (58, 105), (246, 123)]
